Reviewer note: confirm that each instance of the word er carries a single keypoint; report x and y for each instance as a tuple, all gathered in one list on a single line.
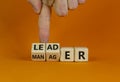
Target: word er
[(53, 52)]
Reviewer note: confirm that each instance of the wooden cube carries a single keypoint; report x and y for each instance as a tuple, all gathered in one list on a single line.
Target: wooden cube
[(38, 52), (81, 54), (52, 51), (67, 54)]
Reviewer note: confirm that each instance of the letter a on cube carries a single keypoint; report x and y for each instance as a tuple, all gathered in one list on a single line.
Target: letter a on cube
[(52, 51), (38, 52), (81, 54)]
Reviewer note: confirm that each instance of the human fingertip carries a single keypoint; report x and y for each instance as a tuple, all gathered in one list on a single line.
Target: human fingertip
[(36, 4), (73, 7), (62, 13), (81, 1), (36, 10)]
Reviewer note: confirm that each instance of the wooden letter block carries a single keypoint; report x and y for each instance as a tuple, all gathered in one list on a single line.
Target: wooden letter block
[(38, 52), (81, 54), (52, 51), (67, 54)]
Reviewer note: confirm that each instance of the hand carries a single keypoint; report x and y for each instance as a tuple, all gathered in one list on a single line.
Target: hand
[(43, 8)]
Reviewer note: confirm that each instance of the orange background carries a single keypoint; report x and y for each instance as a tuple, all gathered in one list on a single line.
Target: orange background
[(94, 25)]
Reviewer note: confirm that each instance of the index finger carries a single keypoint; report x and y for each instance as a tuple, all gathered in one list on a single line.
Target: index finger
[(44, 23)]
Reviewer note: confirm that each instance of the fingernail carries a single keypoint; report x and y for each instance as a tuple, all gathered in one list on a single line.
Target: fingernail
[(81, 1)]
